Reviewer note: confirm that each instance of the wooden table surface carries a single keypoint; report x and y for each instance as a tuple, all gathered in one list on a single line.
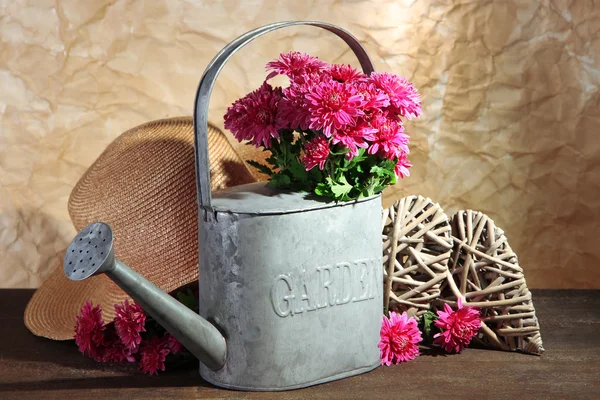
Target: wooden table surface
[(32, 367)]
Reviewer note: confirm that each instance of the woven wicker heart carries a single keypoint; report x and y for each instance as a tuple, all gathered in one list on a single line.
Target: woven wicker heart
[(486, 272), (416, 248)]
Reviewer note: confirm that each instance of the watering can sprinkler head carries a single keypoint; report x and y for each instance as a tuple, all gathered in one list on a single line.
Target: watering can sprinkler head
[(91, 253)]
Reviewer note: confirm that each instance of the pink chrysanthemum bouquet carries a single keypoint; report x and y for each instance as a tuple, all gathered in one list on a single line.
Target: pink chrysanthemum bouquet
[(133, 337), (450, 329), (333, 131)]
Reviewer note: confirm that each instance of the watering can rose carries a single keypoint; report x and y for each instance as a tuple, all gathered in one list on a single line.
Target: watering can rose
[(333, 131)]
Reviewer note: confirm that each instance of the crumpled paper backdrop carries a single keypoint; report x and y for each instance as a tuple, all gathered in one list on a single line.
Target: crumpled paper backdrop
[(510, 100)]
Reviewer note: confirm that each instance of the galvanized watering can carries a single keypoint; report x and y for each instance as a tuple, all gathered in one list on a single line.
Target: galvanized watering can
[(290, 286)]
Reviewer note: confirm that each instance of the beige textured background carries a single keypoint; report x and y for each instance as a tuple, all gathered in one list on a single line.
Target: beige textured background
[(510, 98)]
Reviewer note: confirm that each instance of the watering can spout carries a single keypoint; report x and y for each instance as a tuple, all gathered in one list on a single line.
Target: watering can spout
[(91, 253)]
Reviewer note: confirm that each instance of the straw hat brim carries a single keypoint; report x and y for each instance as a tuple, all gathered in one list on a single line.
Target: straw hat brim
[(144, 186), (54, 306)]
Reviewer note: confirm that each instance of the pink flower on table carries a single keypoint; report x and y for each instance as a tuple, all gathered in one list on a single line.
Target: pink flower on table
[(390, 140), (402, 166), (253, 116), (172, 343), (458, 327), (115, 350), (129, 323), (355, 137), (404, 98), (154, 354), (316, 152), (89, 331), (294, 64), (333, 106), (344, 73), (400, 337)]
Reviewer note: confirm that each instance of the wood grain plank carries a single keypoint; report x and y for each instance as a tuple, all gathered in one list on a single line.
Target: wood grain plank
[(33, 367)]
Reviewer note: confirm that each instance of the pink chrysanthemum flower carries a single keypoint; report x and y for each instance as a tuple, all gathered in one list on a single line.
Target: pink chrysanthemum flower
[(458, 327), (316, 152), (293, 111), (115, 350), (404, 98), (390, 140), (294, 64), (373, 98), (355, 137), (402, 166), (253, 116), (333, 106), (344, 73), (172, 343), (89, 331), (154, 354), (129, 323), (400, 337)]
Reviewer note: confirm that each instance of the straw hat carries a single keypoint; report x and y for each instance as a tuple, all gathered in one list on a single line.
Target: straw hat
[(144, 186)]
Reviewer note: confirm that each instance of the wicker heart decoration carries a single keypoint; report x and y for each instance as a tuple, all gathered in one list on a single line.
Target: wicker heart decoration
[(485, 272), (416, 247)]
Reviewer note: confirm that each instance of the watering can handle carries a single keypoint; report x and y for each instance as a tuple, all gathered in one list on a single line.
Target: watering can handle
[(209, 77)]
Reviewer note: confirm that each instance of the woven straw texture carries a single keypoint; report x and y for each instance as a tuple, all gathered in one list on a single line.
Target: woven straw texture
[(486, 273), (144, 186), (416, 248)]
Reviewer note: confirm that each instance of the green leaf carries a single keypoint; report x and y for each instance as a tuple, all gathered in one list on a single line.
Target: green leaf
[(299, 171), (368, 191), (316, 174), (339, 153), (361, 156), (382, 172), (272, 159), (341, 188), (261, 167), (323, 189), (279, 180), (427, 320), (188, 299)]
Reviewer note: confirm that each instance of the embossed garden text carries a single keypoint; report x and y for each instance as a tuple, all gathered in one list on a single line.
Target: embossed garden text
[(326, 286)]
